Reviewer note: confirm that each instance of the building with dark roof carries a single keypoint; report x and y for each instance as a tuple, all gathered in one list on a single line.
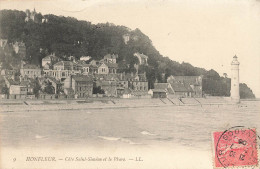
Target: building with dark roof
[(164, 86), (63, 69), (82, 85), (109, 87), (137, 83), (103, 68), (112, 67), (181, 91), (50, 59), (110, 58), (159, 93), (187, 86), (30, 71), (66, 65)]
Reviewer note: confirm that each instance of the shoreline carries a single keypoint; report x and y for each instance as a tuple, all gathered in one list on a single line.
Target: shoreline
[(66, 105)]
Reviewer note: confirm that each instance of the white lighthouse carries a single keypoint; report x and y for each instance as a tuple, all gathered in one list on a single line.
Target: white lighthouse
[(234, 94)]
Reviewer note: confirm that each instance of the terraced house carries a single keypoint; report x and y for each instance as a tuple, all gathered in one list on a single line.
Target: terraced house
[(30, 71), (63, 69), (49, 61), (80, 85), (137, 83)]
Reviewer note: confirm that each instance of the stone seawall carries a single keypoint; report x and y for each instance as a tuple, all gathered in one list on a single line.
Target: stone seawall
[(106, 103)]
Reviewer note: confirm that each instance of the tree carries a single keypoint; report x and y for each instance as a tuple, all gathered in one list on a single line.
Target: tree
[(49, 89), (212, 74), (5, 90), (98, 90), (245, 92), (36, 87)]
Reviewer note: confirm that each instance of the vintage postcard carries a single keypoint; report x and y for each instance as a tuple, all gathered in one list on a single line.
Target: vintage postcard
[(127, 84)]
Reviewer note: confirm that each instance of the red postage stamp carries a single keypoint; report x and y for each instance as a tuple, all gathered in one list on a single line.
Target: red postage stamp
[(236, 146)]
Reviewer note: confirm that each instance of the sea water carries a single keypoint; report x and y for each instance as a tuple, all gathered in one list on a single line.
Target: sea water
[(164, 137)]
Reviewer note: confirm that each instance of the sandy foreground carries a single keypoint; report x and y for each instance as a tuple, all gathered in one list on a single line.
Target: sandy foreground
[(87, 136)]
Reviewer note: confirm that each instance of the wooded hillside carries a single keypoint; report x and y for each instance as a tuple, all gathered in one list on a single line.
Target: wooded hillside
[(66, 36)]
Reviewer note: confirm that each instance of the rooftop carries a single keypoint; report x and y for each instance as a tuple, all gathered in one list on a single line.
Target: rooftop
[(159, 90), (29, 66), (187, 80), (107, 83), (127, 91), (12, 82), (25, 83), (65, 63), (82, 78), (179, 87), (111, 65), (161, 85), (164, 86), (109, 56)]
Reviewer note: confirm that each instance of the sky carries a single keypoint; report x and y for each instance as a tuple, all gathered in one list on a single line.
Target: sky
[(205, 33)]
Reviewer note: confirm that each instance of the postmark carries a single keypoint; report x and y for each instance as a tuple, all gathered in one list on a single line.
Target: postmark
[(236, 147)]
